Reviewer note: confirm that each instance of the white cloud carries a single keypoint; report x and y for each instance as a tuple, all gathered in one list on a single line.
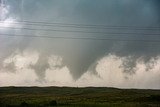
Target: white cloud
[(22, 59), (109, 72), (22, 75), (59, 76)]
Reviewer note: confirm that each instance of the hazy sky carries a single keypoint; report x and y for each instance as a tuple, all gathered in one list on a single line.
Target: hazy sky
[(48, 60)]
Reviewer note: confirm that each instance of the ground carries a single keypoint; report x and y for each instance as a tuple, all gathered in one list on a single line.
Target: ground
[(78, 97)]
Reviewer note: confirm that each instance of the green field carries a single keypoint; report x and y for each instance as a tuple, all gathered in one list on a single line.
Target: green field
[(77, 97)]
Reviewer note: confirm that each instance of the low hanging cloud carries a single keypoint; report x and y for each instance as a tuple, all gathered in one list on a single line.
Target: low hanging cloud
[(109, 72), (16, 71)]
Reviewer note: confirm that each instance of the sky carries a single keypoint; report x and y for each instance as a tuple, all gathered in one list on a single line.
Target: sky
[(125, 53)]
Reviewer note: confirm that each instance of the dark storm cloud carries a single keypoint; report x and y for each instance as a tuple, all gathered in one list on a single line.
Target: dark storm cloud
[(79, 55)]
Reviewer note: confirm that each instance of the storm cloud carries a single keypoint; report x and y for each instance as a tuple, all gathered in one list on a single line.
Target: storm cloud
[(82, 55)]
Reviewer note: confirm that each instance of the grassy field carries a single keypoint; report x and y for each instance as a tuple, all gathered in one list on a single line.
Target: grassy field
[(77, 97)]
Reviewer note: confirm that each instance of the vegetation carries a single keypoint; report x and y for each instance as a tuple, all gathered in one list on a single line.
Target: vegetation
[(77, 97)]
